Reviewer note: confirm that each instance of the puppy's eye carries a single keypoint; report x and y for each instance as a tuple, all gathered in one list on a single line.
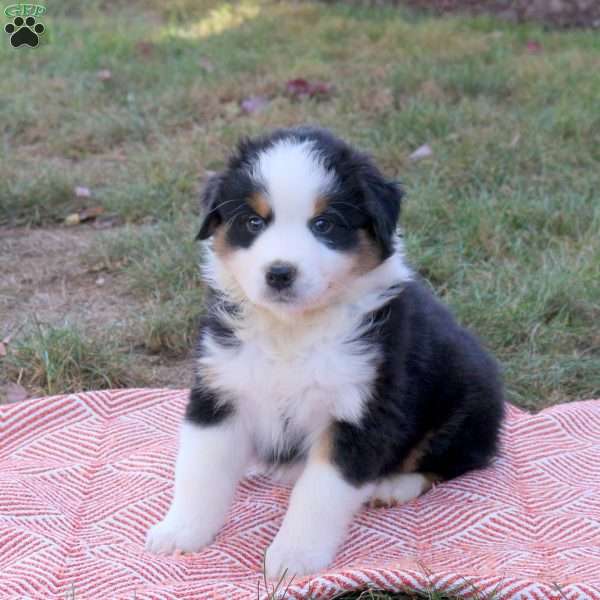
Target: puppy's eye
[(322, 226), (255, 224)]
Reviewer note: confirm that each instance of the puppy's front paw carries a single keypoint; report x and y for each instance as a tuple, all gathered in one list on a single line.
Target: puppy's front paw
[(291, 559), (173, 534)]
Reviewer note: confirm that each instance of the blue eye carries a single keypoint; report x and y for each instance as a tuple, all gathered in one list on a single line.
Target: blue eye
[(322, 226), (255, 225)]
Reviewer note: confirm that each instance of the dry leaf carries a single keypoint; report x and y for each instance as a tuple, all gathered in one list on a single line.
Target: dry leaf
[(421, 152), (82, 192), (300, 87), (145, 48), (2, 349), (104, 74), (515, 140), (15, 392), (254, 104), (72, 219), (90, 213), (87, 214), (534, 47)]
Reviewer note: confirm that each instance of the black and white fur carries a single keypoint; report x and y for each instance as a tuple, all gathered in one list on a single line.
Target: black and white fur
[(321, 354)]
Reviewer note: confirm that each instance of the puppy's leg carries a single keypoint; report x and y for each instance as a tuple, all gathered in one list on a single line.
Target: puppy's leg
[(321, 507), (211, 460)]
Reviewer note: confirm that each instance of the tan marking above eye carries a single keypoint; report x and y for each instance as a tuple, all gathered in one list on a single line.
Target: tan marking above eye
[(321, 205), (260, 205)]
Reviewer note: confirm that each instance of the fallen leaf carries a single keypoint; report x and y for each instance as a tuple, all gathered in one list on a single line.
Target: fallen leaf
[(90, 213), (82, 192), (534, 47), (87, 214), (2, 349), (515, 140), (16, 392), (300, 87), (254, 104), (72, 219), (297, 87), (145, 48), (321, 88), (421, 152), (104, 74)]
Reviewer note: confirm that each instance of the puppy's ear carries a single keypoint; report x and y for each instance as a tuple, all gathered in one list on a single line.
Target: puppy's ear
[(383, 199), (209, 204)]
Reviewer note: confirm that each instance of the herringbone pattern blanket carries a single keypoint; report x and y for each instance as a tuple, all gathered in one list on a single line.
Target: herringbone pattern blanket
[(83, 476)]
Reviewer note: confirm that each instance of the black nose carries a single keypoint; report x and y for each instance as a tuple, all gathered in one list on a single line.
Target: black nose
[(281, 275)]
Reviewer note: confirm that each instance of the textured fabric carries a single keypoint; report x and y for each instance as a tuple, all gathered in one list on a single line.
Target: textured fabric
[(82, 477)]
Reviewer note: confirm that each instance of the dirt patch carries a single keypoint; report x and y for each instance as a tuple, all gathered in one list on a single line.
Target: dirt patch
[(45, 278)]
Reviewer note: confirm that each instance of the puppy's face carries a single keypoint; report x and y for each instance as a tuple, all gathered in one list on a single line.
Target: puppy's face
[(295, 215)]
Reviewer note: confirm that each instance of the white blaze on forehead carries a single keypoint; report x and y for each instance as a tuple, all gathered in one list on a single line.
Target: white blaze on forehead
[(294, 177)]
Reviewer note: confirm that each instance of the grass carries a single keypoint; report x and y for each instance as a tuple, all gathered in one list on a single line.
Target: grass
[(502, 219), (56, 360)]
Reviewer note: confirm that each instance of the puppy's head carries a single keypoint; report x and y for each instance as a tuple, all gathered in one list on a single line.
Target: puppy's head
[(295, 215)]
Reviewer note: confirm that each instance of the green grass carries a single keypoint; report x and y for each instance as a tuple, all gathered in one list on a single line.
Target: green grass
[(502, 220), (56, 360)]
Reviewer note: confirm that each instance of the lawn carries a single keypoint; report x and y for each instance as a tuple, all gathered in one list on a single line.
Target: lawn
[(137, 104), (130, 108)]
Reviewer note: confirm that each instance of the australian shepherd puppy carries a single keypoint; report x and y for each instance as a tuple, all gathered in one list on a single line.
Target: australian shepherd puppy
[(320, 353)]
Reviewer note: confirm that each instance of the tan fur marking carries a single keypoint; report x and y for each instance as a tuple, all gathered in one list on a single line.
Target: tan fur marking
[(208, 375), (430, 480), (367, 256), (220, 245), (260, 205), (320, 206), (411, 463), (323, 449)]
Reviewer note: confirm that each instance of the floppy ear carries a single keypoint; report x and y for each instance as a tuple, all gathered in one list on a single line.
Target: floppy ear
[(383, 200), (209, 203)]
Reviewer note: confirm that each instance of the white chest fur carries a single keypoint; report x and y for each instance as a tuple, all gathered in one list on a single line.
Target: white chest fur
[(288, 381)]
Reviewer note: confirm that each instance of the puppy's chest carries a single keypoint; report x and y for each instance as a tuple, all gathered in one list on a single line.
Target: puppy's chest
[(289, 390)]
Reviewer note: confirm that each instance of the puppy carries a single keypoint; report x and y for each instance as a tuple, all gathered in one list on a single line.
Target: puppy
[(320, 354)]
